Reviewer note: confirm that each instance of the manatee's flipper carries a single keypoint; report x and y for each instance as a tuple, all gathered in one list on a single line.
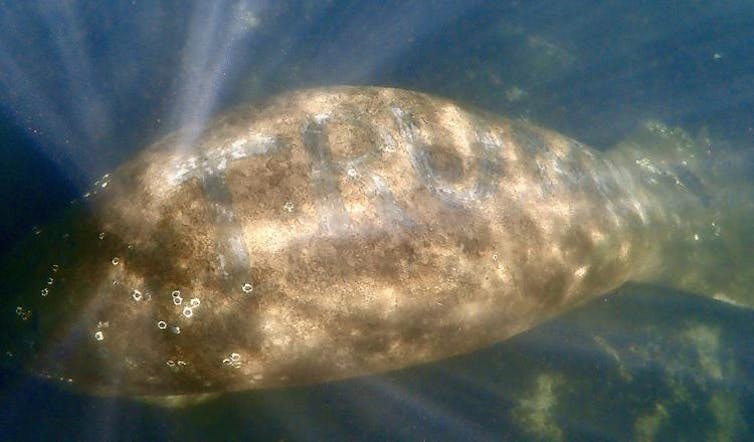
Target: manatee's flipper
[(707, 189)]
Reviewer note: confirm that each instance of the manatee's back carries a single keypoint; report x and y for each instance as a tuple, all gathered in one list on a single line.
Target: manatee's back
[(330, 233)]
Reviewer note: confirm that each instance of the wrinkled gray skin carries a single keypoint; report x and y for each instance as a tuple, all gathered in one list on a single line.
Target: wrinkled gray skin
[(326, 234)]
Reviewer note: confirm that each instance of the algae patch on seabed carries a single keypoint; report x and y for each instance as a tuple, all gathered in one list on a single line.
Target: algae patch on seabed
[(728, 418), (706, 341), (701, 360), (648, 424), (646, 364), (535, 413)]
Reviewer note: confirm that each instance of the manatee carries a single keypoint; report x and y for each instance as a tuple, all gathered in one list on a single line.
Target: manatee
[(336, 232)]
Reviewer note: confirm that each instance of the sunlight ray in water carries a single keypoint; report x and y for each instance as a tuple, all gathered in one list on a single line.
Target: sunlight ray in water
[(93, 116), (456, 427), (216, 31), (62, 111), (383, 35), (34, 112)]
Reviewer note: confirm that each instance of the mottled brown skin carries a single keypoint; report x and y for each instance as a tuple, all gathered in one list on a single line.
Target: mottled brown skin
[(378, 228)]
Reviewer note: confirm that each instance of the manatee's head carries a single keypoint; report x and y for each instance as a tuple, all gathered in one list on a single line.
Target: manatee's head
[(51, 284), (134, 291), (135, 288), (71, 297)]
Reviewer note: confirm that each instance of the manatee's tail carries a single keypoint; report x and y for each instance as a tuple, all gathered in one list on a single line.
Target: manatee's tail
[(707, 190)]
